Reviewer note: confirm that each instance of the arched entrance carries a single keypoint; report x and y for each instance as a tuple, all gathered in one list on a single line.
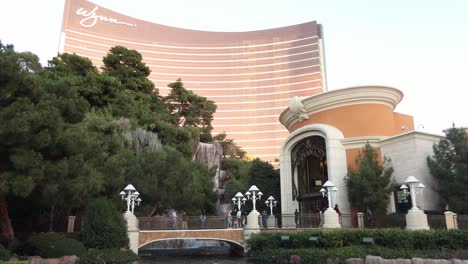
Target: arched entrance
[(309, 167), (303, 153)]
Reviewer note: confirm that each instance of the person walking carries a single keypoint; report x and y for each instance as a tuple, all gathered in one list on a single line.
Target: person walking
[(229, 219), (174, 219), (239, 218), (202, 220), (296, 218), (337, 209), (264, 219), (184, 220)]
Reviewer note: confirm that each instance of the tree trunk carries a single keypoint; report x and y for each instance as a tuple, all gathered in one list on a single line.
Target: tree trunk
[(5, 221), (51, 226)]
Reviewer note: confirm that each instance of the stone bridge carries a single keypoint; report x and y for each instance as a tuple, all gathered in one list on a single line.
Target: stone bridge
[(234, 237)]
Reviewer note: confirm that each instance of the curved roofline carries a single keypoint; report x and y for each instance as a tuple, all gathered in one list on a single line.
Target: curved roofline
[(103, 20), (198, 30), (301, 108)]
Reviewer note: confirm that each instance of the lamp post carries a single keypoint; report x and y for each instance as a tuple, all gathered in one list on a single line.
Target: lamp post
[(415, 218), (412, 182), (330, 216), (271, 202), (239, 200), (329, 192), (131, 196), (252, 226), (254, 194)]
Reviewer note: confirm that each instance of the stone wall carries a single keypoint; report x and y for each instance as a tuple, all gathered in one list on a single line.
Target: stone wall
[(379, 260)]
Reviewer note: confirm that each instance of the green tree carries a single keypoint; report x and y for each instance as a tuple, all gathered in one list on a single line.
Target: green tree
[(449, 166), (267, 179), (128, 68), (104, 226), (230, 149), (238, 176), (189, 109), (369, 185), (62, 142)]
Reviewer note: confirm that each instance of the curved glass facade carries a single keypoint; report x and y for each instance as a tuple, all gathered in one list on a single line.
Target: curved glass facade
[(251, 76)]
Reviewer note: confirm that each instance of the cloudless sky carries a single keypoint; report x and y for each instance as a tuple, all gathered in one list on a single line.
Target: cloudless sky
[(417, 46)]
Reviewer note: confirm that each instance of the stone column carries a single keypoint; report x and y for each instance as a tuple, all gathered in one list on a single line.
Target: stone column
[(331, 219), (71, 224), (416, 219), (252, 224), (450, 218), (360, 220), (133, 231)]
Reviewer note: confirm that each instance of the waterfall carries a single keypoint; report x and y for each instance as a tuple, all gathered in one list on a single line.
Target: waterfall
[(185, 243), (210, 154), (141, 140)]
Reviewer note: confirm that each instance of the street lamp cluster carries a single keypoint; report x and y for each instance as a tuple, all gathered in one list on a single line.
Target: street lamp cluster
[(131, 195), (253, 194), (415, 218), (329, 190)]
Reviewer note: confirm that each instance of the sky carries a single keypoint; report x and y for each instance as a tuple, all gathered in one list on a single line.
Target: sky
[(417, 46)]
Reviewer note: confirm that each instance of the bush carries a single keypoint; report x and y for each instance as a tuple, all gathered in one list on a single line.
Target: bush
[(320, 255), (104, 226), (53, 245), (390, 238), (4, 253), (109, 256)]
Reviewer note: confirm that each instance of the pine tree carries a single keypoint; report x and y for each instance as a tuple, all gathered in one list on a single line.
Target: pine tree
[(369, 185), (449, 166)]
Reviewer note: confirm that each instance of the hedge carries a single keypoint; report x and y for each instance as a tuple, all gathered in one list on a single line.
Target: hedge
[(320, 255), (4, 253), (108, 256), (53, 245), (390, 238)]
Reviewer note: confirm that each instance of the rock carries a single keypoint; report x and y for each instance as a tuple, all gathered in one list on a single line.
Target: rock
[(69, 260), (459, 261), (355, 261), (52, 261), (332, 261), (397, 261), (35, 260), (295, 259), (374, 260), (430, 261)]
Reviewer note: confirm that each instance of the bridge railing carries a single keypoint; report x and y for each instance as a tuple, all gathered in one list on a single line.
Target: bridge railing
[(191, 222), (312, 220)]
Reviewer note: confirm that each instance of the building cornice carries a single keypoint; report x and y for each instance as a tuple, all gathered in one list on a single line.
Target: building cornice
[(360, 142), (415, 134), (302, 108)]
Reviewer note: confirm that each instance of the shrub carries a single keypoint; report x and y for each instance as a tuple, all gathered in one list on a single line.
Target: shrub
[(53, 245), (320, 255), (104, 226), (4, 253), (109, 255), (390, 238)]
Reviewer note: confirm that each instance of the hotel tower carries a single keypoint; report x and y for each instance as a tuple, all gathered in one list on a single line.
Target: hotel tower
[(251, 76)]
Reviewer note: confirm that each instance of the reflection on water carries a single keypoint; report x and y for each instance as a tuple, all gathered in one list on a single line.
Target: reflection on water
[(193, 251), (194, 260)]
